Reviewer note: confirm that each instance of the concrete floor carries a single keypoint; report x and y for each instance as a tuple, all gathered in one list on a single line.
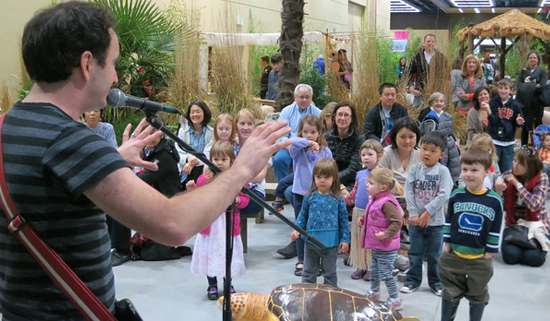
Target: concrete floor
[(167, 291)]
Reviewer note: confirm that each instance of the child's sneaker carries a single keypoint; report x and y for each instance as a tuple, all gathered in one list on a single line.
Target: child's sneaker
[(409, 288), (396, 304), (278, 205), (373, 295)]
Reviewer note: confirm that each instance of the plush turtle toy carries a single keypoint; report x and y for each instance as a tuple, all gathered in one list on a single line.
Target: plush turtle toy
[(315, 302)]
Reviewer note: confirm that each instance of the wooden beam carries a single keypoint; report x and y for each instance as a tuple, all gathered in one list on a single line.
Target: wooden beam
[(511, 46), (479, 43)]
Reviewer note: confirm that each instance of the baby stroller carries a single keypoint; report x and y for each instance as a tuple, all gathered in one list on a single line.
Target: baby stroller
[(538, 133)]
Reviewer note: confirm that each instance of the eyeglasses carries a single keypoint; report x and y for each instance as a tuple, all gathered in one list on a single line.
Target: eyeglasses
[(530, 151), (343, 116), (304, 97)]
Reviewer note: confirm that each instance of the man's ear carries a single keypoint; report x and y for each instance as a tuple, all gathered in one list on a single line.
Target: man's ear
[(86, 64)]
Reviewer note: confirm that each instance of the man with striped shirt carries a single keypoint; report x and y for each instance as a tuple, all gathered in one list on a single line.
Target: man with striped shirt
[(63, 177)]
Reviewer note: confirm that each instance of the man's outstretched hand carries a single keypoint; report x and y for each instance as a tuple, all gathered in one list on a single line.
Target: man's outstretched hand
[(132, 145)]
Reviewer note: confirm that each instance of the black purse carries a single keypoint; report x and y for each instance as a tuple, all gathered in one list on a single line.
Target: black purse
[(518, 235)]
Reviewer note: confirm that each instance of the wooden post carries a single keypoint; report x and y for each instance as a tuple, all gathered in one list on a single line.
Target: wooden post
[(470, 44), (502, 58), (522, 51), (462, 49)]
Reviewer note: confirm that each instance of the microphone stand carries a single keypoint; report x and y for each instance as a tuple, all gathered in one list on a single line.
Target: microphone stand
[(156, 123)]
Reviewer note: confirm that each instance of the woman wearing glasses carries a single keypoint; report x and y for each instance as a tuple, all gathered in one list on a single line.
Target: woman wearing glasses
[(525, 204), (344, 142)]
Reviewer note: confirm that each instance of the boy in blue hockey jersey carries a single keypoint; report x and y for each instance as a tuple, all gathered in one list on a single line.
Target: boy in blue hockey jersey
[(471, 235)]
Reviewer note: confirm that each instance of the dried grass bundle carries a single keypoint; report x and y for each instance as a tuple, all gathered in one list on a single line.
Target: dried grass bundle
[(366, 80), (228, 78), (7, 100), (186, 83)]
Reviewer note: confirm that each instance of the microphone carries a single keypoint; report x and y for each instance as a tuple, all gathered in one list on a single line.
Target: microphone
[(116, 98)]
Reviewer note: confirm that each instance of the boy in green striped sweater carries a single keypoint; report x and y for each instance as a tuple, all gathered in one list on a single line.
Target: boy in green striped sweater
[(471, 235)]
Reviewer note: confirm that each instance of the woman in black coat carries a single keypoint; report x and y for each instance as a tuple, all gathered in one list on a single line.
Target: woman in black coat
[(531, 81), (344, 142)]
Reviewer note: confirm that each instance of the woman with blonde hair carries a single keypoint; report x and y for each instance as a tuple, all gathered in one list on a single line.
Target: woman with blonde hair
[(465, 86)]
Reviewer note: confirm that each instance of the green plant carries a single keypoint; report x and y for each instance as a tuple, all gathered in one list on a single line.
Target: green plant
[(313, 77), (256, 52), (146, 40), (387, 59), (414, 43), (512, 63)]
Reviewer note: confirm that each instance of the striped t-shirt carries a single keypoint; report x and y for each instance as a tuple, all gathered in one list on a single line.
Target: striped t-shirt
[(49, 161), (472, 224)]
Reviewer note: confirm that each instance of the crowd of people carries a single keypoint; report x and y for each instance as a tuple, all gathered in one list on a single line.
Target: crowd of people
[(397, 177)]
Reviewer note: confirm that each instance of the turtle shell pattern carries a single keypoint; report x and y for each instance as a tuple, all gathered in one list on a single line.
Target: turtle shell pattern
[(320, 302)]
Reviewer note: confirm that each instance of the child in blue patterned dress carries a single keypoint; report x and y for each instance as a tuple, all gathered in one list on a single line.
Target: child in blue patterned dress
[(325, 217)]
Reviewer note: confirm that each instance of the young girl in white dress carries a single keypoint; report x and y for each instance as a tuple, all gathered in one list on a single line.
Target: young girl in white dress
[(209, 250)]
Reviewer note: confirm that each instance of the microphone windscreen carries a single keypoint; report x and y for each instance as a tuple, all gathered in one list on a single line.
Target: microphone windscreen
[(116, 98)]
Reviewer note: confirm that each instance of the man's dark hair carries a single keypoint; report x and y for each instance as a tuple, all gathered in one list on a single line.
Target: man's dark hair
[(435, 138), (276, 58), (265, 58), (55, 39), (386, 85)]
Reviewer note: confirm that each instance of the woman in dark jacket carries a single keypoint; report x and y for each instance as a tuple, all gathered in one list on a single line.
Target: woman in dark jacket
[(529, 79), (344, 142)]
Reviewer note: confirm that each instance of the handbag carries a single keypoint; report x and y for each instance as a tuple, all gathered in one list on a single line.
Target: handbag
[(518, 235), (61, 274)]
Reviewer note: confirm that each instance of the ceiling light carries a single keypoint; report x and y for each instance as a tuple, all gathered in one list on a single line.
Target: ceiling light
[(476, 10), (493, 10), (400, 6), (460, 10), (473, 3)]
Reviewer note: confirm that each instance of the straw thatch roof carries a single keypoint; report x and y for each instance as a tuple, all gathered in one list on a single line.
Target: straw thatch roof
[(510, 24)]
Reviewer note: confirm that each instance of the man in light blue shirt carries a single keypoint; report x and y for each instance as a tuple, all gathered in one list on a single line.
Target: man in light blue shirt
[(293, 113)]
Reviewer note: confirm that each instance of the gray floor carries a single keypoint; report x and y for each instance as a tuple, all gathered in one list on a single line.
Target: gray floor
[(167, 291)]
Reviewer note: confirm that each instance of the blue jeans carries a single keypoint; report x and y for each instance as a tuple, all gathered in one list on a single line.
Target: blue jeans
[(282, 184), (505, 157), (513, 254), (281, 164), (426, 242)]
